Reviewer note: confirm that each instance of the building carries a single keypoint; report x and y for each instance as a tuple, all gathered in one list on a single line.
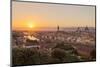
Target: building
[(58, 28)]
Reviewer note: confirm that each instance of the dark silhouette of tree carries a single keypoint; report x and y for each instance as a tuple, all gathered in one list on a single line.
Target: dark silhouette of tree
[(58, 54), (93, 54), (23, 56), (44, 58), (63, 56)]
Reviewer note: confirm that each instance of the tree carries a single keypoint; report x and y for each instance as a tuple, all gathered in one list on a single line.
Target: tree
[(62, 56), (24, 56), (58, 54), (93, 54)]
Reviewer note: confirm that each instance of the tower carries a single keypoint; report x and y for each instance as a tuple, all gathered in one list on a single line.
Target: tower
[(86, 29), (58, 28)]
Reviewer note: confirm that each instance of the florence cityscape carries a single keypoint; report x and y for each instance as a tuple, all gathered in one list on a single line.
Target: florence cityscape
[(52, 33)]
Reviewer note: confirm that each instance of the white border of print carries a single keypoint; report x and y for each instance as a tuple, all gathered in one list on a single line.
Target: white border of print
[(5, 33)]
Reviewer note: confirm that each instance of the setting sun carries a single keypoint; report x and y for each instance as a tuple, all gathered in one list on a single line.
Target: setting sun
[(38, 17), (31, 25)]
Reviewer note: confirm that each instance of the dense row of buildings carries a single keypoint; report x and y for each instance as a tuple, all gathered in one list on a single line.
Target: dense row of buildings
[(82, 40)]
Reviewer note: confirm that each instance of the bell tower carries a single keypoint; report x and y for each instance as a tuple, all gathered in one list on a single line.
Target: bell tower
[(58, 28)]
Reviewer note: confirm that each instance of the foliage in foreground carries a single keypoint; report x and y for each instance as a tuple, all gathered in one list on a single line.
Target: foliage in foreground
[(59, 54)]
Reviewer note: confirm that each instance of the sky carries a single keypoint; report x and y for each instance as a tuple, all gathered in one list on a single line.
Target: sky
[(26, 15)]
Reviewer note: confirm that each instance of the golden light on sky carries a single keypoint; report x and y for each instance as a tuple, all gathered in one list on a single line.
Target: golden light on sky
[(31, 25), (26, 16)]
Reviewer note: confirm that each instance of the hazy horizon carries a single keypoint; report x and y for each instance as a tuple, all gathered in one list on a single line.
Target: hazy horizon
[(54, 29), (40, 15)]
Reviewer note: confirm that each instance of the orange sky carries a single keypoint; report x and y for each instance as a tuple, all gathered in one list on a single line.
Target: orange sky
[(36, 15)]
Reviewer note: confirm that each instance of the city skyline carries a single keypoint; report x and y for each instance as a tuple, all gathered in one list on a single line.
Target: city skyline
[(41, 15)]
